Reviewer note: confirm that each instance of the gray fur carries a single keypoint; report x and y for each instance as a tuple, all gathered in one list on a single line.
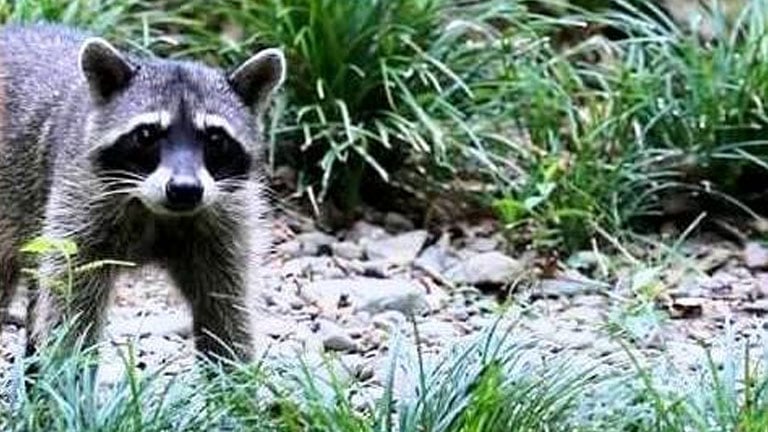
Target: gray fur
[(51, 120)]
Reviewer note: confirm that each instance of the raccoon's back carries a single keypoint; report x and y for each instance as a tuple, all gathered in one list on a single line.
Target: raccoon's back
[(38, 66), (39, 83)]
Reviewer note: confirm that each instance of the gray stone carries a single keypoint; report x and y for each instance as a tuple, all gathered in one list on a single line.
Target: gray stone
[(400, 249), (347, 250), (459, 313), (757, 306), (292, 248), (389, 321), (490, 268), (363, 232), (687, 307), (313, 243), (395, 222), (553, 288), (756, 255), (437, 258), (163, 324), (274, 327), (370, 295), (335, 338), (483, 244), (160, 346), (437, 331), (323, 267)]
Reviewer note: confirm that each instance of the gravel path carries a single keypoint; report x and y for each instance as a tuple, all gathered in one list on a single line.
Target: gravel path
[(350, 293)]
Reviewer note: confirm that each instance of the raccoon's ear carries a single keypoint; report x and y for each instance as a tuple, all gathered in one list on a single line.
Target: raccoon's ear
[(104, 68), (259, 76)]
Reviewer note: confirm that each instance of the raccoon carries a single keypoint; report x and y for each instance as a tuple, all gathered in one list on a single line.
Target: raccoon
[(133, 158)]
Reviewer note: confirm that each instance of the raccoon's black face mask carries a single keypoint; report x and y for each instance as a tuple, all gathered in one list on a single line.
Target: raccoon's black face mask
[(179, 133)]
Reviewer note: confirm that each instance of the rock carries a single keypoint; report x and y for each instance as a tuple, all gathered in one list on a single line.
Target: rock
[(687, 307), (554, 288), (437, 331), (400, 249), (285, 176), (571, 338), (585, 260), (347, 250), (755, 256), (757, 306), (292, 248), (363, 232), (315, 243), (761, 285), (323, 267), (274, 327), (459, 313), (389, 321), (335, 338), (160, 346), (490, 268), (437, 258), (583, 315), (395, 222), (164, 324), (370, 295), (483, 244)]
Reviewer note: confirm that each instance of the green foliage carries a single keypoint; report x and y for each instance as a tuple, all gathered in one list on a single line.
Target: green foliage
[(67, 250), (372, 84), (570, 139), (485, 385)]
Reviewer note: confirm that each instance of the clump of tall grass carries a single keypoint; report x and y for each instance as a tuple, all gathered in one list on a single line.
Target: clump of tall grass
[(487, 384), (665, 110), (374, 84)]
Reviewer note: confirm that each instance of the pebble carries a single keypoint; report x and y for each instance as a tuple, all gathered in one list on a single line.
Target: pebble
[(389, 321), (369, 294), (395, 222), (687, 307), (459, 314), (347, 250), (758, 306), (335, 338), (437, 331), (315, 243), (756, 255), (483, 244), (363, 232), (401, 249), (490, 268)]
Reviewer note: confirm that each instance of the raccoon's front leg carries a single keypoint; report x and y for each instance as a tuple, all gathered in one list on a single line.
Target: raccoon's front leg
[(215, 287), (76, 300), (9, 275)]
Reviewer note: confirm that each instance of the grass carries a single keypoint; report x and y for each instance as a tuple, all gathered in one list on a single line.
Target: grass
[(565, 137), (481, 385), (490, 383), (576, 140)]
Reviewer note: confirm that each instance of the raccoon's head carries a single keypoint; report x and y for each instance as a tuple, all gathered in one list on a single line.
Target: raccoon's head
[(179, 136)]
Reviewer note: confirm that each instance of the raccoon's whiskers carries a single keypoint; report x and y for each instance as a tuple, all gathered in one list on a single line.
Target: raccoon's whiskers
[(122, 174)]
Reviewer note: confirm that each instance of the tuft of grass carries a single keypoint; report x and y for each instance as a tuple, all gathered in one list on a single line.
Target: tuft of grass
[(373, 85), (487, 384)]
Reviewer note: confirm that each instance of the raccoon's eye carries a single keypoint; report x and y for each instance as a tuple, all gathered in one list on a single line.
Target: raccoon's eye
[(146, 135), (215, 137), (224, 157)]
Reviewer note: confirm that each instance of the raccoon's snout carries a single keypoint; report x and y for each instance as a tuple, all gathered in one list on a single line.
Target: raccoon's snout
[(183, 193)]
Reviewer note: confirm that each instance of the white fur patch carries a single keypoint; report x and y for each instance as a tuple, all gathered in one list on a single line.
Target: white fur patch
[(209, 186), (160, 118), (152, 190), (203, 121)]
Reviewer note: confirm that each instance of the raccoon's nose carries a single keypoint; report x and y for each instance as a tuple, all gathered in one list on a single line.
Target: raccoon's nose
[(183, 192)]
